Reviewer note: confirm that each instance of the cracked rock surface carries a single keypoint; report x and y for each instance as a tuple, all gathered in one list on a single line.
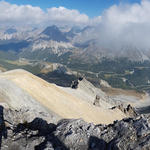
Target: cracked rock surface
[(73, 134)]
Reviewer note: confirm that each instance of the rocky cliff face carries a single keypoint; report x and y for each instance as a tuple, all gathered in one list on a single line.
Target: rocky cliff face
[(73, 134)]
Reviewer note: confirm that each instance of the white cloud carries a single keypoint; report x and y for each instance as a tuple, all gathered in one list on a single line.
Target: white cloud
[(24, 14), (125, 24), (62, 14), (11, 14)]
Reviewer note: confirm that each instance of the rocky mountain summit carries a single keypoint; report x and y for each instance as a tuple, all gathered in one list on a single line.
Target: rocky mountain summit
[(20, 89), (73, 134), (35, 114)]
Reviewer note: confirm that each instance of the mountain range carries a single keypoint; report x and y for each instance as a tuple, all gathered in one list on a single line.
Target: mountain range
[(58, 43), (77, 50)]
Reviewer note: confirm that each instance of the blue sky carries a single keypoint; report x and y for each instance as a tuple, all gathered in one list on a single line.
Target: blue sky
[(120, 25), (90, 7)]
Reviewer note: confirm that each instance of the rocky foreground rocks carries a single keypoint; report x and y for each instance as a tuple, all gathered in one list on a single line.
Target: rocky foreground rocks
[(72, 134)]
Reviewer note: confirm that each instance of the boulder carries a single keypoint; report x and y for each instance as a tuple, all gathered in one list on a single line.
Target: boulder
[(97, 101)]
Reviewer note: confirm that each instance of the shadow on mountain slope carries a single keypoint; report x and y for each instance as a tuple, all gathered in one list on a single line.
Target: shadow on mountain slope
[(144, 110), (60, 79), (46, 131), (41, 135), (3, 129)]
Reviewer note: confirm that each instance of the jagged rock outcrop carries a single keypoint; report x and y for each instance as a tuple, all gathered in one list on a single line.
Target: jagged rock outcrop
[(75, 83), (97, 101), (128, 110), (72, 134)]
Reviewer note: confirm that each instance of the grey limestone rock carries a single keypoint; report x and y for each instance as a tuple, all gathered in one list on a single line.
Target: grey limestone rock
[(72, 134)]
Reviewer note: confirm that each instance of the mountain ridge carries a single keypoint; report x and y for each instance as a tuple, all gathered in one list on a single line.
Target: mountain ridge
[(59, 101)]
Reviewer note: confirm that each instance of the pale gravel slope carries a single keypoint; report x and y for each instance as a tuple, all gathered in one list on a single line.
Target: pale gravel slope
[(58, 101), (14, 97)]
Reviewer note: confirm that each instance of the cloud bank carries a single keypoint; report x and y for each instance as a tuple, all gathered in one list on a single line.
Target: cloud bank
[(11, 14), (125, 25)]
